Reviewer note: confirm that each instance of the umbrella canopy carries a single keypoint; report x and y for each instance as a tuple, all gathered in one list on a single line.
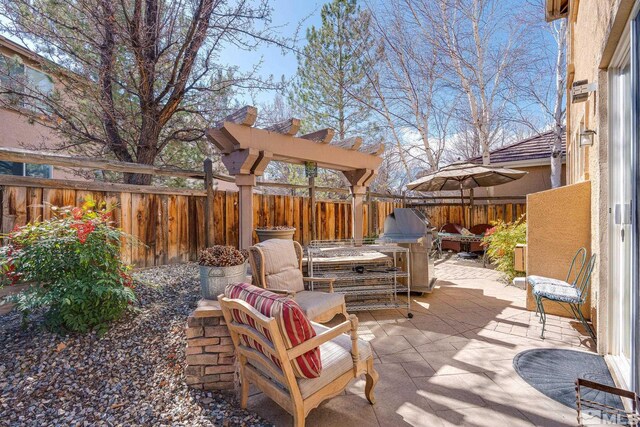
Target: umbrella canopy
[(460, 176)]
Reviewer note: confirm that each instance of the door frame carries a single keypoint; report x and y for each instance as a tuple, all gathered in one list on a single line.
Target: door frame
[(628, 48), (635, 205)]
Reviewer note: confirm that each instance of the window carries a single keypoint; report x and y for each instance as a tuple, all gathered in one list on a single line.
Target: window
[(18, 78), (22, 169)]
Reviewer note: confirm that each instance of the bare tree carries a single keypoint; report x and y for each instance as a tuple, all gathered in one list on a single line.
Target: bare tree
[(480, 46), (404, 84), (133, 75), (544, 86)]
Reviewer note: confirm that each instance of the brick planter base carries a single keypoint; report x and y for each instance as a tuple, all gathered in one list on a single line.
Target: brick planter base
[(210, 353)]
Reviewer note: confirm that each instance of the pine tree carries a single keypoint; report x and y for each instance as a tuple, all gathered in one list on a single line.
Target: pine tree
[(332, 87)]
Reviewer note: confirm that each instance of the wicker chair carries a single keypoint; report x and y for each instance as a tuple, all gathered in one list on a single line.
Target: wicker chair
[(276, 265), (344, 357)]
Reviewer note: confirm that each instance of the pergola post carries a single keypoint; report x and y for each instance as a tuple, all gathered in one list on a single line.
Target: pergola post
[(357, 210), (245, 183), (359, 180)]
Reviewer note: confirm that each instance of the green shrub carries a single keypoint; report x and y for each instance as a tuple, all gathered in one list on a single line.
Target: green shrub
[(72, 263), (501, 241)]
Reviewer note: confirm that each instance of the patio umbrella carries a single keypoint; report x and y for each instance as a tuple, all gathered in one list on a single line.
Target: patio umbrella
[(461, 176)]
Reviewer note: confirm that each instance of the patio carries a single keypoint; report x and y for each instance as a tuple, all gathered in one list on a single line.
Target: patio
[(451, 364)]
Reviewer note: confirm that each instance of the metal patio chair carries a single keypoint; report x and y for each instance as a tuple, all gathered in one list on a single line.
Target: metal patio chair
[(580, 255), (571, 294)]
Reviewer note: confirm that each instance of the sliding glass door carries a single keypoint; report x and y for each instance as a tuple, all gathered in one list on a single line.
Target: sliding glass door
[(622, 197)]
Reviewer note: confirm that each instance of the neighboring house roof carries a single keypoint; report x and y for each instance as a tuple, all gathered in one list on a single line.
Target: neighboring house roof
[(535, 150)]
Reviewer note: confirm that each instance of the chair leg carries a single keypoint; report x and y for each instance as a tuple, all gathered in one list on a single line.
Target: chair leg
[(372, 380), (577, 309), (344, 311), (244, 391), (298, 416), (543, 315)]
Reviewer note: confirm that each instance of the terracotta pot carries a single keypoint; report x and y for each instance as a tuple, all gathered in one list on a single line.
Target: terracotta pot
[(275, 234)]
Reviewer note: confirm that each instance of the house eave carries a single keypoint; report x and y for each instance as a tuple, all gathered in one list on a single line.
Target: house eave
[(527, 163), (556, 9)]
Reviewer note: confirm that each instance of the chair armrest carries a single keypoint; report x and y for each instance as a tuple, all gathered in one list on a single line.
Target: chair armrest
[(350, 325), (327, 280), (283, 291)]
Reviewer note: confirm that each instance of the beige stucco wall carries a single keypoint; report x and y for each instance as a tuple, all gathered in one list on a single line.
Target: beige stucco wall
[(537, 179), (558, 224), (19, 131), (595, 27), (22, 129)]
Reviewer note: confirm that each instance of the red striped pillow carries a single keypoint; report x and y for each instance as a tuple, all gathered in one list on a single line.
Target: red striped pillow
[(291, 320)]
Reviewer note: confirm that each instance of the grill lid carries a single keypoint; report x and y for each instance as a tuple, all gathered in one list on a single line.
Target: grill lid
[(406, 225)]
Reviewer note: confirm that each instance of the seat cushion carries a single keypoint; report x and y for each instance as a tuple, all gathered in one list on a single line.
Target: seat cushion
[(292, 322), (281, 265), (336, 360), (315, 303), (534, 280), (562, 293)]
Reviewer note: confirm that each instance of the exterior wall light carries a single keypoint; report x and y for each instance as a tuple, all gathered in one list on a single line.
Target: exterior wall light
[(586, 138)]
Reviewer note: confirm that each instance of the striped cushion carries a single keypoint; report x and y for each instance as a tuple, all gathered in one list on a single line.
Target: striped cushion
[(291, 320)]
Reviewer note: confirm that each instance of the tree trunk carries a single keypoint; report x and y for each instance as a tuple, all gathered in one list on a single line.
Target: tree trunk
[(137, 179), (556, 158), (147, 150), (558, 114)]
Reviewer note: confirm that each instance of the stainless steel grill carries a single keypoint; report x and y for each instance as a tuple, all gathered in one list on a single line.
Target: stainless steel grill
[(411, 229)]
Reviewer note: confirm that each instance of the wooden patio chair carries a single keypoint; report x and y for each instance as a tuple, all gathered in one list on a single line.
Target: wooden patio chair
[(276, 265), (598, 402), (271, 361)]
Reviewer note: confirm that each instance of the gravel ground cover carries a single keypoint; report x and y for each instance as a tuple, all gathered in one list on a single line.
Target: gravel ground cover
[(133, 375)]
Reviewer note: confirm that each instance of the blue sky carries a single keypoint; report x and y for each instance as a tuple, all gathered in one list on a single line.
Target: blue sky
[(289, 16)]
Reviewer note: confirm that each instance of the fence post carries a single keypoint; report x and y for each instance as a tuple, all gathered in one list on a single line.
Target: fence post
[(312, 202), (208, 208)]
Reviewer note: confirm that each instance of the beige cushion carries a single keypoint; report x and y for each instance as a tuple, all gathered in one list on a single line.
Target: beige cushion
[(315, 303), (281, 267), (336, 360)]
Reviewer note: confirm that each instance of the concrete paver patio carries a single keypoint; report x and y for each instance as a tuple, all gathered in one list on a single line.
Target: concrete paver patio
[(451, 364)]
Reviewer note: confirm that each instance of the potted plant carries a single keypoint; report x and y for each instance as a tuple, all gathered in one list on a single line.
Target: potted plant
[(220, 266), (275, 232)]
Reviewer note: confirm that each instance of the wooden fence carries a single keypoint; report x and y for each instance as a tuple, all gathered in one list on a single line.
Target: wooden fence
[(441, 214), (170, 224)]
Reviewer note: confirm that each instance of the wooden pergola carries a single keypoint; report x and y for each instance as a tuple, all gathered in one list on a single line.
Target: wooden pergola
[(246, 152)]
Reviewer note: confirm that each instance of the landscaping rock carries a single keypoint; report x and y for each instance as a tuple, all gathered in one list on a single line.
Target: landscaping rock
[(132, 375)]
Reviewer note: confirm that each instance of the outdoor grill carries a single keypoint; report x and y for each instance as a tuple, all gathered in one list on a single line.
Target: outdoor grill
[(409, 228)]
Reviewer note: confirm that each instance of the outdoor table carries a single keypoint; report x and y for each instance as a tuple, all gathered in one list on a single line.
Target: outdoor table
[(465, 240)]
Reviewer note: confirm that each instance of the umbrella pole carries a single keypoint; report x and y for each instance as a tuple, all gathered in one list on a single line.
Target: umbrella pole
[(464, 217), (470, 207)]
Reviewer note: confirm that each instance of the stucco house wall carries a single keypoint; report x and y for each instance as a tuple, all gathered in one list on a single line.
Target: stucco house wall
[(595, 27), (537, 179), (558, 224)]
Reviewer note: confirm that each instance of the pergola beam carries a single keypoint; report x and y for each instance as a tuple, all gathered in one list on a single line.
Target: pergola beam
[(245, 116), (296, 150), (374, 149), (288, 127), (349, 143), (323, 136)]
